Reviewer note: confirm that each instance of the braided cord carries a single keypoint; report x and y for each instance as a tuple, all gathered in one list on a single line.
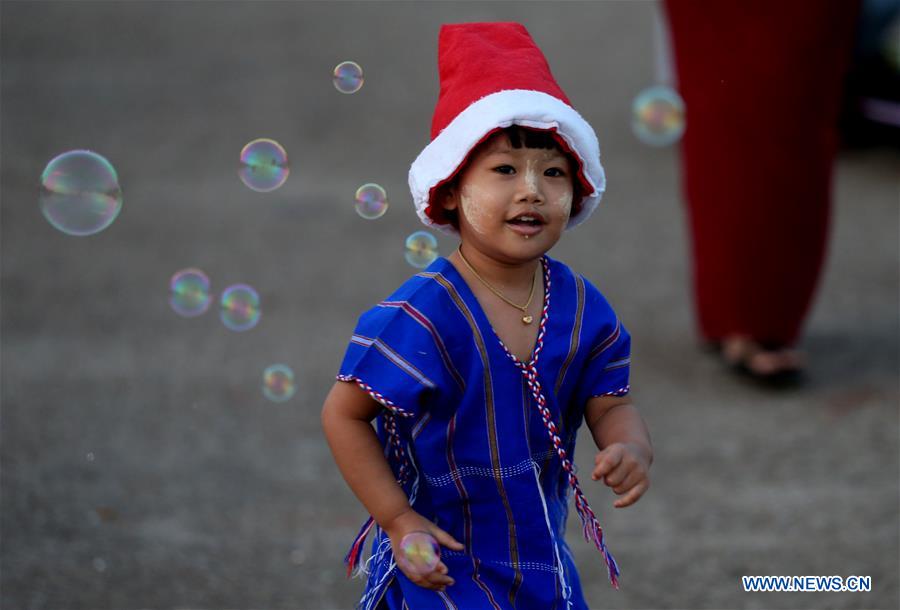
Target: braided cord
[(590, 526)]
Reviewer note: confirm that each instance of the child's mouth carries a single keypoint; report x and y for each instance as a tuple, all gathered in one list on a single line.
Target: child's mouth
[(526, 224)]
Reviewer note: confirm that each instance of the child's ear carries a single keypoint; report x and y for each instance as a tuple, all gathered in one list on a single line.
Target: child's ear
[(448, 199)]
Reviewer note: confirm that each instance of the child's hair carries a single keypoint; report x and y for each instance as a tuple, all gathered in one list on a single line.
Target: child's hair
[(519, 136)]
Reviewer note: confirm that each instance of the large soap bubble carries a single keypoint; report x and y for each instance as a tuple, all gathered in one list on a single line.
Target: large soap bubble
[(658, 116), (420, 553), (264, 165), (421, 249), (80, 193)]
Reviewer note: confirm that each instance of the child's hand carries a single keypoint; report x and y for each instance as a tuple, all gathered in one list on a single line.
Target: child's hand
[(623, 467), (411, 521)]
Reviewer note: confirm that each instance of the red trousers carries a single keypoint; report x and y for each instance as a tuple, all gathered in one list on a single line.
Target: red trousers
[(761, 81)]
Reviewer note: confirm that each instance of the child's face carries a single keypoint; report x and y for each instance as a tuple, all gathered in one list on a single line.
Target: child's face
[(501, 188)]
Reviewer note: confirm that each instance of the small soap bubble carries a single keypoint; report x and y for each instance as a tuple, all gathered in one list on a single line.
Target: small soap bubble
[(80, 193), (189, 296), (371, 201), (421, 249), (420, 552), (264, 165), (348, 77), (99, 564), (658, 116), (278, 382), (240, 307)]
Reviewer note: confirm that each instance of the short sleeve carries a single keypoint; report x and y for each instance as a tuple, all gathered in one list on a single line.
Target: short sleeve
[(606, 371), (392, 357)]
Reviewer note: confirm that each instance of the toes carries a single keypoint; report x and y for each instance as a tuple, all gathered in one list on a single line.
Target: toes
[(765, 363), (770, 362)]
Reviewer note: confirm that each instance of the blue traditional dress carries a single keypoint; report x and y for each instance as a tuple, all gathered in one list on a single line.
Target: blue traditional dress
[(480, 441)]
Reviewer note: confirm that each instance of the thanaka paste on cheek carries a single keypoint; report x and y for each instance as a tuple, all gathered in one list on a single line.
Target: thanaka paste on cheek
[(564, 204), (475, 214)]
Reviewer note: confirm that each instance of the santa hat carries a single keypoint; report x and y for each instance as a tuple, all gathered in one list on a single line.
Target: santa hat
[(494, 76)]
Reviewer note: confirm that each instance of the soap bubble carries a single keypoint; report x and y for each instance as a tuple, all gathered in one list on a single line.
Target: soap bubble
[(348, 77), (420, 552), (240, 307), (371, 201), (278, 382), (421, 249), (190, 295), (80, 193), (658, 116), (264, 165)]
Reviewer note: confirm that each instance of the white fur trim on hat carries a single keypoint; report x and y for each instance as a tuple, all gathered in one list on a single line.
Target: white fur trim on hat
[(443, 155)]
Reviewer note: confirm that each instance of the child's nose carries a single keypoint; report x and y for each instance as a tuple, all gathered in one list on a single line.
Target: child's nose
[(531, 195), (533, 200), (530, 189)]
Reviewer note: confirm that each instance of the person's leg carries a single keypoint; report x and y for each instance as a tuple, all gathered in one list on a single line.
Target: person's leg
[(761, 83)]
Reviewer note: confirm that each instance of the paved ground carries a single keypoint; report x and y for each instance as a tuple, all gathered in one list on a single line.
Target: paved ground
[(142, 467)]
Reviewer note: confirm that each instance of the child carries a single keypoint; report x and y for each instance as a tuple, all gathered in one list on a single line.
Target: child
[(481, 368)]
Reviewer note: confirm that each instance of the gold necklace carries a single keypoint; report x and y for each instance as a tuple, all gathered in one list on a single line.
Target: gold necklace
[(527, 318)]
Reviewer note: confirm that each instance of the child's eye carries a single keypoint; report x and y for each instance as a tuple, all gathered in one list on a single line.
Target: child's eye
[(505, 169), (558, 172)]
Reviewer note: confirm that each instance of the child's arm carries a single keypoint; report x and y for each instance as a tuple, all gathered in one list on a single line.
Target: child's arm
[(346, 420), (625, 451)]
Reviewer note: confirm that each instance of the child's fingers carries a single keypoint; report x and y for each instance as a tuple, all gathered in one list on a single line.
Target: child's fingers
[(633, 495), (634, 477), (606, 461), (436, 580), (618, 475), (438, 583), (439, 577), (446, 539), (433, 580), (414, 577)]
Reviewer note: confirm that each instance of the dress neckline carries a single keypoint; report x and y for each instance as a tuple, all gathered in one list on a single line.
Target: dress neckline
[(485, 323)]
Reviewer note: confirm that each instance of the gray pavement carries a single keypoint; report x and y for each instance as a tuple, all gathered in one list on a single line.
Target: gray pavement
[(140, 465)]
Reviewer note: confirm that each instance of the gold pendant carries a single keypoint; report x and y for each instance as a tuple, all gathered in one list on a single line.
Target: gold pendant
[(527, 319)]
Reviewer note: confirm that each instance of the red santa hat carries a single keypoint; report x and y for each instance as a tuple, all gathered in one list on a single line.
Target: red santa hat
[(494, 76)]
